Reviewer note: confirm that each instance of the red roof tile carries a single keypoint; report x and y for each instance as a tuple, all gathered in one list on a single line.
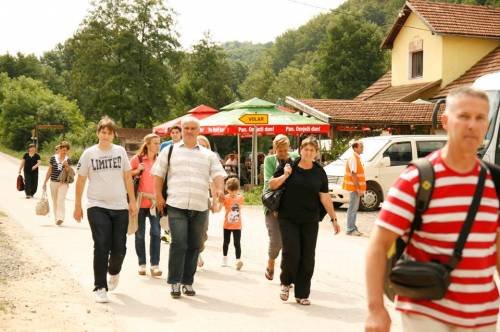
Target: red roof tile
[(366, 112), (487, 65), (449, 19), (382, 90), (382, 83)]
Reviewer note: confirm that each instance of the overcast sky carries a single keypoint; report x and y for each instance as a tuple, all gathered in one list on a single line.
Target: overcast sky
[(35, 26)]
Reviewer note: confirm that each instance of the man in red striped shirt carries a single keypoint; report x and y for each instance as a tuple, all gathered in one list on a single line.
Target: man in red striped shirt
[(472, 300)]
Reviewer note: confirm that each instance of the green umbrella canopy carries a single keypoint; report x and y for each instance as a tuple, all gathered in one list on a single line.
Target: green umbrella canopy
[(254, 103), (231, 106), (280, 122)]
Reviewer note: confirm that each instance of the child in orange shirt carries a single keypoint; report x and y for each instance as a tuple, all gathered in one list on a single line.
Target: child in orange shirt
[(232, 220)]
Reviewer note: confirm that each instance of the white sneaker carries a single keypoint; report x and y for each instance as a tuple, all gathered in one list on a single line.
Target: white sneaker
[(239, 264), (142, 270), (113, 281), (101, 296), (224, 261)]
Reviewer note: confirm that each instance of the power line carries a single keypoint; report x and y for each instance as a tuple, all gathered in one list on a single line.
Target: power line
[(337, 10), (308, 4)]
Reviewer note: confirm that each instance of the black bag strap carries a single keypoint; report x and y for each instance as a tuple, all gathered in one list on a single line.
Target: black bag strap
[(469, 220), (164, 190), (422, 199), (140, 172)]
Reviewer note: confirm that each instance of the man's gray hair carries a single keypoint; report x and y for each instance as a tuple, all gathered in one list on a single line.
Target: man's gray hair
[(464, 92), (190, 119)]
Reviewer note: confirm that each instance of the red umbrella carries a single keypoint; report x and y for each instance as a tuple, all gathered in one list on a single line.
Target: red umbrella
[(199, 112)]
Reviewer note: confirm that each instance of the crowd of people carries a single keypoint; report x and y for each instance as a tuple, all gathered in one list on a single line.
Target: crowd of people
[(185, 181)]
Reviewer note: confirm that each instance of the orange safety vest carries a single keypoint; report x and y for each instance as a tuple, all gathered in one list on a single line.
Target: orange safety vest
[(348, 183)]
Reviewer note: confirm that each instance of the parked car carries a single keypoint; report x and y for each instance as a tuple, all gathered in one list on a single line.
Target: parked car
[(384, 158)]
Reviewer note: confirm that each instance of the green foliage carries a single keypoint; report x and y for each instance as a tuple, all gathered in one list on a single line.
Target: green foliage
[(31, 66), (206, 77), (122, 62), (292, 81), (253, 196), (260, 78), (340, 144), (351, 58), (245, 52), (27, 102)]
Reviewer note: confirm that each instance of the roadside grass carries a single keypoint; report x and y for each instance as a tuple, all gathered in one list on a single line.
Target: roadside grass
[(253, 196), (19, 154)]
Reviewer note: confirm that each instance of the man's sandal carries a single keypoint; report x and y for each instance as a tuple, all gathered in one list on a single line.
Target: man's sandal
[(269, 274), (285, 292), (303, 301)]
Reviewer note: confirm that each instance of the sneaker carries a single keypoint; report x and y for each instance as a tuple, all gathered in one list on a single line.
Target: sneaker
[(188, 290), (113, 281), (224, 261), (200, 261), (155, 271), (101, 296), (142, 270), (355, 233), (176, 291), (59, 222), (239, 264)]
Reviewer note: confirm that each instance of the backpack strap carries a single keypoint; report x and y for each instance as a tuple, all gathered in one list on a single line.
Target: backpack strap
[(469, 220), (422, 199), (164, 190)]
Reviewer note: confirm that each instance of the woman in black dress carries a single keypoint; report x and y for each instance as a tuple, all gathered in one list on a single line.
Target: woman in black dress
[(306, 193), (30, 164)]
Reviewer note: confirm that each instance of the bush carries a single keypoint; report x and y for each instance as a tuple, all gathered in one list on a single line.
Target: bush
[(253, 196)]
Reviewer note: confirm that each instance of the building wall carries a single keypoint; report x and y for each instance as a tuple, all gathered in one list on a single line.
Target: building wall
[(461, 53), (433, 52)]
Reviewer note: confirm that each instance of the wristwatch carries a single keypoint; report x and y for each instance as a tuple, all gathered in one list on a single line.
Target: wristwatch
[(332, 220)]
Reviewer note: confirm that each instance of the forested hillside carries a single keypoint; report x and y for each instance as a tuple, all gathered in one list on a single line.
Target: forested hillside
[(125, 61)]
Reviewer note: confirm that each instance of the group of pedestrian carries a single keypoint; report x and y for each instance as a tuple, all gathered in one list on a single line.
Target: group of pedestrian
[(186, 179)]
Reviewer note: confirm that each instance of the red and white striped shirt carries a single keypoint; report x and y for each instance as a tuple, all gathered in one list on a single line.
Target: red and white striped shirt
[(472, 299)]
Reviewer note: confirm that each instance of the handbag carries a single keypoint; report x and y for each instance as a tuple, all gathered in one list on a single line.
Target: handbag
[(67, 175), (430, 280), (42, 206), (271, 198), (20, 183)]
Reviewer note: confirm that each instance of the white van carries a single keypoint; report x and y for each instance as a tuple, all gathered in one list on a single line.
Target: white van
[(384, 158)]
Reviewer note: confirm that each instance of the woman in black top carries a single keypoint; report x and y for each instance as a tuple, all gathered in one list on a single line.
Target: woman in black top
[(306, 191), (58, 189), (30, 164)]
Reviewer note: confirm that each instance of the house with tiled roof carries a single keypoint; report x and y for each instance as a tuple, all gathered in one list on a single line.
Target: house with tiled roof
[(434, 47)]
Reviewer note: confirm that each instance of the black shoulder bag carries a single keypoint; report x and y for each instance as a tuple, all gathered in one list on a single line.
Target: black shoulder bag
[(271, 198), (430, 280)]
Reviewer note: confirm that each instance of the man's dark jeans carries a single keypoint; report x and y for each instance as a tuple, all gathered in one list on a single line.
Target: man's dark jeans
[(109, 232), (186, 229), (154, 240)]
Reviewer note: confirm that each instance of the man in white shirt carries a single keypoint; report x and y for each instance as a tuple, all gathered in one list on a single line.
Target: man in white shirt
[(190, 170)]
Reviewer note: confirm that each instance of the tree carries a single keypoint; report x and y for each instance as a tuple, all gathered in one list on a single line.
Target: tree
[(25, 103), (350, 59), (31, 66), (292, 81), (259, 79), (122, 62), (206, 77)]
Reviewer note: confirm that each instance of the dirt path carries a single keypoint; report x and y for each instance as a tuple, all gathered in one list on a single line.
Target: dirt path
[(36, 294)]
